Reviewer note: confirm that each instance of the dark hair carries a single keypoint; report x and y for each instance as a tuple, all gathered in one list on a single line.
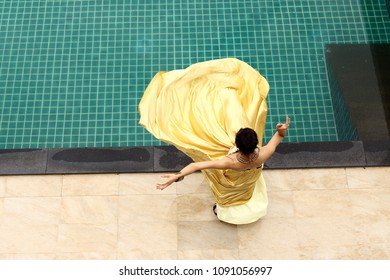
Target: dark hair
[(246, 140)]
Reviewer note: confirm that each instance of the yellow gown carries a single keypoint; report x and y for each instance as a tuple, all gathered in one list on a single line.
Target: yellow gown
[(199, 110)]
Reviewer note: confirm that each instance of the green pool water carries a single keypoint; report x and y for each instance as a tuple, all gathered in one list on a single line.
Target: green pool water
[(72, 72)]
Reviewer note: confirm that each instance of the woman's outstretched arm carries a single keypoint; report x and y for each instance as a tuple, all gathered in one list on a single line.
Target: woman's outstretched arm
[(191, 168), (225, 163), (281, 130)]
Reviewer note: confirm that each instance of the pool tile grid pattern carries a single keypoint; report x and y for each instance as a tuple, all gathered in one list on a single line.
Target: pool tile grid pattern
[(72, 72)]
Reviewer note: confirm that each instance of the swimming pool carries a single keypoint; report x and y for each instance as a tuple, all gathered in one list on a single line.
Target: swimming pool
[(73, 72)]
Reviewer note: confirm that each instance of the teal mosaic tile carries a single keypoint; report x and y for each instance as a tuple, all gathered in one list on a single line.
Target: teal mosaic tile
[(72, 72)]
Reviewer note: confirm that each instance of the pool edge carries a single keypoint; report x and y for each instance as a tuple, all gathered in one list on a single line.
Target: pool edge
[(169, 159)]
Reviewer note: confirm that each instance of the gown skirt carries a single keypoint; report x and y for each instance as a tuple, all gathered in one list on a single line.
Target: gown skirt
[(199, 110)]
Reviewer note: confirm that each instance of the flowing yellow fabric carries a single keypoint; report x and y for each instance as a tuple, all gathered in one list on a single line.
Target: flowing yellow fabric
[(250, 211), (200, 109)]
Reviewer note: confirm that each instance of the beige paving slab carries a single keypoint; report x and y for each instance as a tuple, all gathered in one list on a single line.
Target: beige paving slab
[(371, 202), (147, 254), (16, 238), (326, 231), (144, 184), (373, 177), (87, 256), (28, 256), (147, 237), (269, 233), (94, 210), (280, 205), (2, 186), (1, 209), (194, 183), (342, 252), (208, 254), (380, 252), (97, 184), (305, 179), (322, 203), (35, 185), (139, 209), (82, 238), (270, 253), (195, 207), (31, 211), (372, 230), (207, 236)]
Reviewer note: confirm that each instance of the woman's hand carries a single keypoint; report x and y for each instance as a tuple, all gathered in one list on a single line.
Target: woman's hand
[(171, 178), (281, 128)]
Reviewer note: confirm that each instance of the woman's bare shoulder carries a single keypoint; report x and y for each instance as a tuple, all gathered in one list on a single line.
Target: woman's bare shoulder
[(233, 164)]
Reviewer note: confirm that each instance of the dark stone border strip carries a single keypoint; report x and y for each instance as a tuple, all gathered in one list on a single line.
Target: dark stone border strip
[(168, 158)]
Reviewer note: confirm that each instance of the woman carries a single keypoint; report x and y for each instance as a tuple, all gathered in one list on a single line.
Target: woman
[(201, 110)]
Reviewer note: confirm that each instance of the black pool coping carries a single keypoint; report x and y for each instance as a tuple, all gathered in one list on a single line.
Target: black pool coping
[(169, 159)]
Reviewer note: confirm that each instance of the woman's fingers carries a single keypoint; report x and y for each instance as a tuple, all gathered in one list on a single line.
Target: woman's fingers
[(161, 186), (284, 125)]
